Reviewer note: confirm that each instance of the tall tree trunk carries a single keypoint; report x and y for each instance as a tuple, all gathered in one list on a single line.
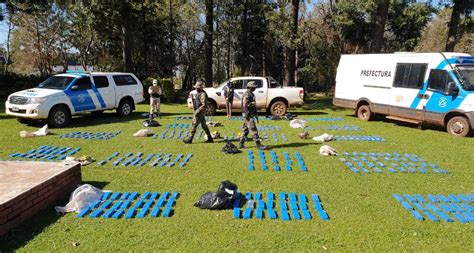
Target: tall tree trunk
[(208, 42), (244, 48), (291, 50), (379, 26), (125, 12), (452, 39), (229, 47)]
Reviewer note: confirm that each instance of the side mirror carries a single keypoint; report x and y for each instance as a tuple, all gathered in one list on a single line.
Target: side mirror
[(453, 89), (75, 87), (218, 94)]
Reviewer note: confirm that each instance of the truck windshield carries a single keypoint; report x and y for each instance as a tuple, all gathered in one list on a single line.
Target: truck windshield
[(56, 82), (467, 73)]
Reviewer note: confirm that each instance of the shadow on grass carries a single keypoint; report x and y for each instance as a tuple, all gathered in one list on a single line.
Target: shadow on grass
[(426, 126), (291, 145), (26, 231)]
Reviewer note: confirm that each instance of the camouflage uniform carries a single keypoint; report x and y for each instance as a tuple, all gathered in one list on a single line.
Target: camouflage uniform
[(249, 113), (199, 105)]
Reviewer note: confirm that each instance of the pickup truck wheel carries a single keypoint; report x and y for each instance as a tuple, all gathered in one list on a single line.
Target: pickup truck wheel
[(210, 109), (364, 113), (278, 108), (58, 117), (458, 126), (125, 108)]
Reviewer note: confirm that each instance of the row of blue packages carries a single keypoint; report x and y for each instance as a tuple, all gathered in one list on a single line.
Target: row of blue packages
[(335, 128), (131, 204), (239, 118), (178, 125), (450, 208), (392, 163), (160, 160), (268, 128), (46, 153), (191, 117), (275, 163), (358, 138), (90, 135), (324, 119), (173, 134), (275, 137), (291, 203)]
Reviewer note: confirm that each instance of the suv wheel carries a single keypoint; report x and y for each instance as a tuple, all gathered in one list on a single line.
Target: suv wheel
[(125, 108), (58, 117)]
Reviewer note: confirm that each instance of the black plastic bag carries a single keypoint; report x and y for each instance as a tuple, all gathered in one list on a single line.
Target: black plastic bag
[(150, 123), (222, 199), (230, 148)]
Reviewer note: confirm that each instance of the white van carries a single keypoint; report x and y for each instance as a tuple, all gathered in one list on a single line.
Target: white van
[(436, 88), (61, 96)]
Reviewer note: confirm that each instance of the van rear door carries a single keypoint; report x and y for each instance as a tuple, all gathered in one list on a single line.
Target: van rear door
[(405, 94)]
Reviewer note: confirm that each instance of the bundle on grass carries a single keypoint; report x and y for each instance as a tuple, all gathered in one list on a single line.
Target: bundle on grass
[(222, 199)]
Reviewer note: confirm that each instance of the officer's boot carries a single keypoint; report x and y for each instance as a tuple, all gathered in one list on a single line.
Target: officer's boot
[(242, 143), (209, 136), (209, 139), (189, 140), (260, 146)]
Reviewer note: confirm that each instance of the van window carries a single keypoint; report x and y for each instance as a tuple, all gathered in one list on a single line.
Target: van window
[(258, 82), (101, 81), (84, 83), (121, 80), (410, 75), (438, 80)]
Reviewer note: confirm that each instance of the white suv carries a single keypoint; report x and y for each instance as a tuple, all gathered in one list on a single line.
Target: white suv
[(61, 96)]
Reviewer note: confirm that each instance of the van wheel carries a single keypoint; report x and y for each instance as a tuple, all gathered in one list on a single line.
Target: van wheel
[(364, 113), (278, 108), (458, 126), (58, 117), (125, 107)]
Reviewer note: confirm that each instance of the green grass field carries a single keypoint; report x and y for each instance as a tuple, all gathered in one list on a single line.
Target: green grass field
[(364, 215)]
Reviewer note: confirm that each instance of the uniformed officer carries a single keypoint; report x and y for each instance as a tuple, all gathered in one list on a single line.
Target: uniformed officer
[(249, 113), (199, 105), (155, 94)]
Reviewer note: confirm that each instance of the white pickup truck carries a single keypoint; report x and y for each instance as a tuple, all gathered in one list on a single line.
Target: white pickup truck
[(61, 96), (270, 95)]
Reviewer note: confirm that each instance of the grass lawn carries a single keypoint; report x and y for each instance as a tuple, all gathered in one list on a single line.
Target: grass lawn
[(364, 214)]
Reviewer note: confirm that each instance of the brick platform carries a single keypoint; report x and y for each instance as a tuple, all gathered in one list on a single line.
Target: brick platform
[(28, 187)]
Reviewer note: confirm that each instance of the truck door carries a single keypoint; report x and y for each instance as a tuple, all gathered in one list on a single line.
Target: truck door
[(260, 92), (238, 92), (104, 91), (406, 90), (80, 93), (443, 94)]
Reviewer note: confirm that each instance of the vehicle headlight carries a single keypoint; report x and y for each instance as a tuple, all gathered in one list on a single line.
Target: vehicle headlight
[(36, 100)]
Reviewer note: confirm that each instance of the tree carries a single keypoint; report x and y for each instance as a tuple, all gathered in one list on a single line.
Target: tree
[(291, 49), (208, 42), (454, 33), (126, 25), (380, 19), (9, 19)]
